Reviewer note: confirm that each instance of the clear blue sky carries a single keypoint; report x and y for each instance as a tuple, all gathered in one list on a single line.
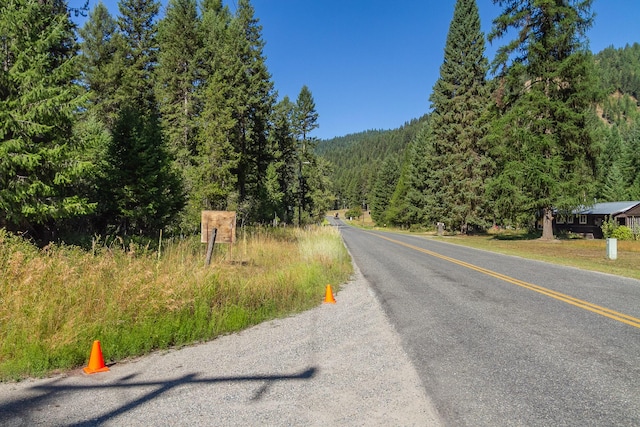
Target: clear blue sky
[(371, 64)]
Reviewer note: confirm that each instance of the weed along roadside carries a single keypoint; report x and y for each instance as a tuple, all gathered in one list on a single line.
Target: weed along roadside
[(56, 303)]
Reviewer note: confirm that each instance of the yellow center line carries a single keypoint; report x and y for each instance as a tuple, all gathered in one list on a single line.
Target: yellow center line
[(620, 317)]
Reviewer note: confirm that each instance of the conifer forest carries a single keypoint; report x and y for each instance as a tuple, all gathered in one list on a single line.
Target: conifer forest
[(133, 124)]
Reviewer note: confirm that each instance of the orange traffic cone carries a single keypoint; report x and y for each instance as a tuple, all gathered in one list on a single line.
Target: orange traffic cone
[(96, 362), (329, 299)]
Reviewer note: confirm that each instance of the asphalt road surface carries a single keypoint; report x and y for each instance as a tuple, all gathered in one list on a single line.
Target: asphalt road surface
[(504, 341)]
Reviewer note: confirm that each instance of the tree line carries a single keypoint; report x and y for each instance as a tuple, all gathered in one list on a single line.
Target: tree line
[(133, 124), (534, 133)]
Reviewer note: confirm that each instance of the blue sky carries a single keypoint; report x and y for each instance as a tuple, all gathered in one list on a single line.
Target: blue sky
[(371, 64)]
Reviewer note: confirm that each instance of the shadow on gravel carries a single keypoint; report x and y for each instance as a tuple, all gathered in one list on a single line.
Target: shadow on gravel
[(49, 391)]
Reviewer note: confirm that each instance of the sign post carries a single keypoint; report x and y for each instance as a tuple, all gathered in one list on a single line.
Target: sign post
[(217, 226)]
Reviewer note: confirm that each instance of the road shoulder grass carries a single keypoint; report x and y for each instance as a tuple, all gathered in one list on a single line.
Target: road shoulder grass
[(587, 254), (55, 301)]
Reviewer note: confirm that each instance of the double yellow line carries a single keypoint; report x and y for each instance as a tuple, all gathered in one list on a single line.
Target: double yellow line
[(620, 317)]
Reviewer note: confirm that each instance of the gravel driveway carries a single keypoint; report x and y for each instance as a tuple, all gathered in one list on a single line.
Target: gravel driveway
[(338, 364)]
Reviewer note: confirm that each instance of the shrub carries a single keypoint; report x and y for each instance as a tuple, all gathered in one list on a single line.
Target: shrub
[(354, 212), (608, 227), (622, 233)]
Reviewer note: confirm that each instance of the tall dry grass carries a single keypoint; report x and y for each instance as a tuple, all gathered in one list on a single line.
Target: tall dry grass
[(54, 302)]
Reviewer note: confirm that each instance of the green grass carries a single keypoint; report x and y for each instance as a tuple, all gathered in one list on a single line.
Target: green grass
[(587, 254), (54, 302)]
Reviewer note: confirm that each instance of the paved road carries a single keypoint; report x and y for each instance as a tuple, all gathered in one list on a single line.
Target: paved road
[(503, 341)]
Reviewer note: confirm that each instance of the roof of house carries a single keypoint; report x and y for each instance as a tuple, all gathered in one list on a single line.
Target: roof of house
[(608, 208)]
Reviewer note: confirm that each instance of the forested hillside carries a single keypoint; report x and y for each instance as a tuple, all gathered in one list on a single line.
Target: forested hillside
[(356, 159), (619, 69), (619, 110)]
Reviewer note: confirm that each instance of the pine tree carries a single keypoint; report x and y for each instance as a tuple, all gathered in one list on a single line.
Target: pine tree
[(213, 178), (177, 76), (424, 196), (400, 212), (546, 92), (141, 191), (256, 100), (305, 121), (615, 186), (102, 64), (456, 162), (285, 160), (237, 100), (319, 190), (306, 116), (137, 24), (630, 162), (39, 97), (383, 188), (144, 194)]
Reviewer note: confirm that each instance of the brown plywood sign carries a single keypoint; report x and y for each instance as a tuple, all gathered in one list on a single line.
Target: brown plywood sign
[(224, 221)]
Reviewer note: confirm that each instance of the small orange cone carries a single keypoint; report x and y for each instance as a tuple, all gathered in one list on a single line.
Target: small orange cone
[(329, 299), (96, 362)]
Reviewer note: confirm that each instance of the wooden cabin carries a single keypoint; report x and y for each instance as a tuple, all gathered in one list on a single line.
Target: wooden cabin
[(588, 220)]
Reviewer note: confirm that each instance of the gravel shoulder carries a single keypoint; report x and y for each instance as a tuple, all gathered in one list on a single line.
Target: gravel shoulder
[(337, 364)]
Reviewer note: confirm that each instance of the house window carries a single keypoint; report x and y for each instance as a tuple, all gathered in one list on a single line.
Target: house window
[(560, 219), (570, 219), (583, 219)]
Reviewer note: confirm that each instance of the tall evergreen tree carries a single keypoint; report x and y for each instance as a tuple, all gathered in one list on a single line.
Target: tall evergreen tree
[(139, 29), (285, 164), (102, 64), (306, 116), (611, 156), (630, 162), (615, 187), (142, 192), (237, 100), (457, 163), (214, 180), (320, 198), (424, 198), (256, 95), (305, 121), (400, 212), (178, 76), (546, 94), (383, 188), (38, 99)]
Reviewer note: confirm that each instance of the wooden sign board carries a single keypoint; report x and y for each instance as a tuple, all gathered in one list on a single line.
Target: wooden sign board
[(224, 221)]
